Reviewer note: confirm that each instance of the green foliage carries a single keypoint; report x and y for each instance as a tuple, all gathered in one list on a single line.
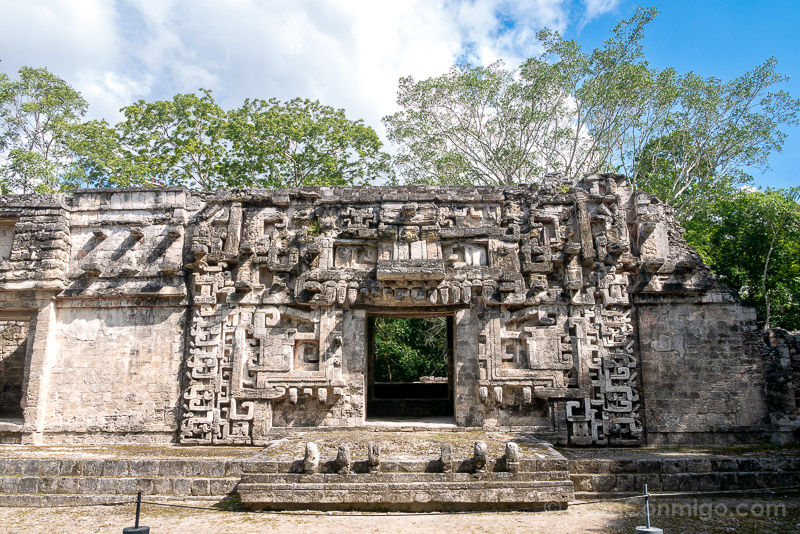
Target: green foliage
[(563, 112), (300, 142), (712, 134), (473, 125), (314, 228), (99, 159), (751, 239), (36, 111), (406, 349), (681, 137), (176, 142), (192, 142)]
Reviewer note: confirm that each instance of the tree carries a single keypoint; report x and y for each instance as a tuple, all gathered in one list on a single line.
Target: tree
[(616, 101), (477, 125), (167, 142), (563, 112), (406, 349), (191, 141), (712, 134), (301, 142), (751, 239), (36, 111), (574, 113), (101, 158)]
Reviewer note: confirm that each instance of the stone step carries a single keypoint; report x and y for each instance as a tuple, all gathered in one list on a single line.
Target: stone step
[(715, 473), (43, 481), (188, 468), (409, 496), (721, 481), (391, 477), (77, 485), (39, 500), (684, 465), (409, 477)]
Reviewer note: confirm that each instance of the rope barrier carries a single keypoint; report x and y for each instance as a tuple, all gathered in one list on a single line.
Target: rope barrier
[(685, 494)]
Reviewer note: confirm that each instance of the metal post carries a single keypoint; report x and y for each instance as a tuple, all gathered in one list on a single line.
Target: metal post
[(137, 529), (646, 508), (647, 528), (139, 507)]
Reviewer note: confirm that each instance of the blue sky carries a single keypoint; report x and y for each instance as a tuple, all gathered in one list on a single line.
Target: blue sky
[(350, 53), (723, 39)]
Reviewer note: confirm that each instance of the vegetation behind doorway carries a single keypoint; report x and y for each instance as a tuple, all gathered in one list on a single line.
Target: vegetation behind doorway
[(408, 349)]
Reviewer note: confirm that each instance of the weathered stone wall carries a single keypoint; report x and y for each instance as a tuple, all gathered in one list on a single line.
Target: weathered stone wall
[(99, 275), (781, 353), (579, 313), (537, 279), (13, 344), (116, 371), (702, 372), (35, 254)]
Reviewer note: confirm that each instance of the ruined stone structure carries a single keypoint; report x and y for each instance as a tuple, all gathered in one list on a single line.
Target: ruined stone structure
[(579, 313)]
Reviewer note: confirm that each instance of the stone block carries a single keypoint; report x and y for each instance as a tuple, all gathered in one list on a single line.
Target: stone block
[(604, 483), (672, 466), (48, 484), (88, 485), (143, 468), (221, 486), (172, 468), (115, 468), (182, 486), (9, 484), (649, 466), (233, 468), (50, 468), (68, 485), (69, 468), (92, 468), (108, 486), (162, 486), (698, 465), (200, 487)]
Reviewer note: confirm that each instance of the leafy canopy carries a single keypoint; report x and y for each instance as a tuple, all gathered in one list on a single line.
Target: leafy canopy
[(191, 141), (712, 135), (36, 112), (751, 239), (679, 136), (300, 142)]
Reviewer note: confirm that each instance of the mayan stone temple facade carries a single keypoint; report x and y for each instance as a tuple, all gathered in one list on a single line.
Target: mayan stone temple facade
[(578, 313)]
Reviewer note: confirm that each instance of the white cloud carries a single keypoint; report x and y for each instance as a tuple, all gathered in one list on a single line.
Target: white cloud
[(108, 92), (346, 53), (595, 8)]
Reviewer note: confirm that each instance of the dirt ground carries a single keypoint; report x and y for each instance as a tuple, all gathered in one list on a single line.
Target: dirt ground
[(751, 515)]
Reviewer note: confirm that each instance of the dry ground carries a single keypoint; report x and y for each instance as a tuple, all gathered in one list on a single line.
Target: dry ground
[(750, 515)]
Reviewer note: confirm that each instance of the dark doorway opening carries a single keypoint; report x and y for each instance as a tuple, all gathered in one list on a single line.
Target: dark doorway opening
[(410, 366), (13, 346)]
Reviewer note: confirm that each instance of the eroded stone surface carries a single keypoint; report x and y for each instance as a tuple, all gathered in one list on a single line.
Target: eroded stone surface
[(578, 313)]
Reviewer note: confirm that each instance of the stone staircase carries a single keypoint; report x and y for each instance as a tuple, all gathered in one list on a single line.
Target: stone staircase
[(676, 472), (403, 469), (49, 481), (516, 480)]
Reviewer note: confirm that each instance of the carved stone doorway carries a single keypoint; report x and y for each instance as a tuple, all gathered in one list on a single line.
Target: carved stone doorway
[(407, 394)]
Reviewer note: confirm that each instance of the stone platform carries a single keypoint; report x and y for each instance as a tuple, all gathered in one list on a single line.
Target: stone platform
[(409, 474), (55, 475), (406, 468)]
